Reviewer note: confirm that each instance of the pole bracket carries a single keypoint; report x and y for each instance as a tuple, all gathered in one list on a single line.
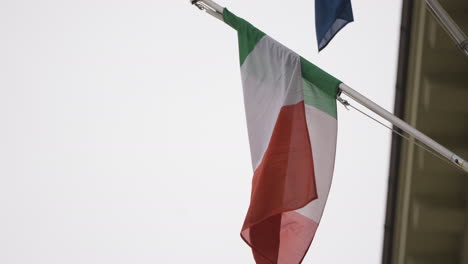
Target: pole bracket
[(464, 46), (345, 103), (459, 162)]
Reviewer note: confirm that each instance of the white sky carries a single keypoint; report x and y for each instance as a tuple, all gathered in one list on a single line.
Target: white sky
[(123, 136)]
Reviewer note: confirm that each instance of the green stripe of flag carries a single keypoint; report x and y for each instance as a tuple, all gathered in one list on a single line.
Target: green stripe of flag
[(248, 35), (317, 98), (320, 88)]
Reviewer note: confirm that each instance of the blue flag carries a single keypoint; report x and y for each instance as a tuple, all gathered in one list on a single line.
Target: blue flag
[(330, 17)]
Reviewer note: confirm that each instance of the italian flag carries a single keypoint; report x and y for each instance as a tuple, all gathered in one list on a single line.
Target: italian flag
[(292, 124)]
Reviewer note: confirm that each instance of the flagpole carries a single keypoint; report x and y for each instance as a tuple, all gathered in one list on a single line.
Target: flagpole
[(209, 7), (446, 21), (452, 157), (216, 10)]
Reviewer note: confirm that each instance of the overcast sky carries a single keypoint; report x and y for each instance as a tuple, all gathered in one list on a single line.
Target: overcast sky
[(123, 136)]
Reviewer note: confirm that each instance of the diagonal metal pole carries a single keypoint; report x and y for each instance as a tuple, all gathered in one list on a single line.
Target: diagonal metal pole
[(209, 7), (216, 10), (429, 142), (446, 21)]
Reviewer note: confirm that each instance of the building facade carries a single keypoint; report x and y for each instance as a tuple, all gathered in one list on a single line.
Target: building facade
[(427, 206)]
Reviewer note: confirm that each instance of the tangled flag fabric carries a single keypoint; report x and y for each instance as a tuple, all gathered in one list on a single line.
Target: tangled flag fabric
[(292, 124), (330, 17)]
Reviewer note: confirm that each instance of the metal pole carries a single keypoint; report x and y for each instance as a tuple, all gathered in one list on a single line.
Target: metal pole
[(459, 162), (214, 5), (209, 7), (449, 25), (216, 10)]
